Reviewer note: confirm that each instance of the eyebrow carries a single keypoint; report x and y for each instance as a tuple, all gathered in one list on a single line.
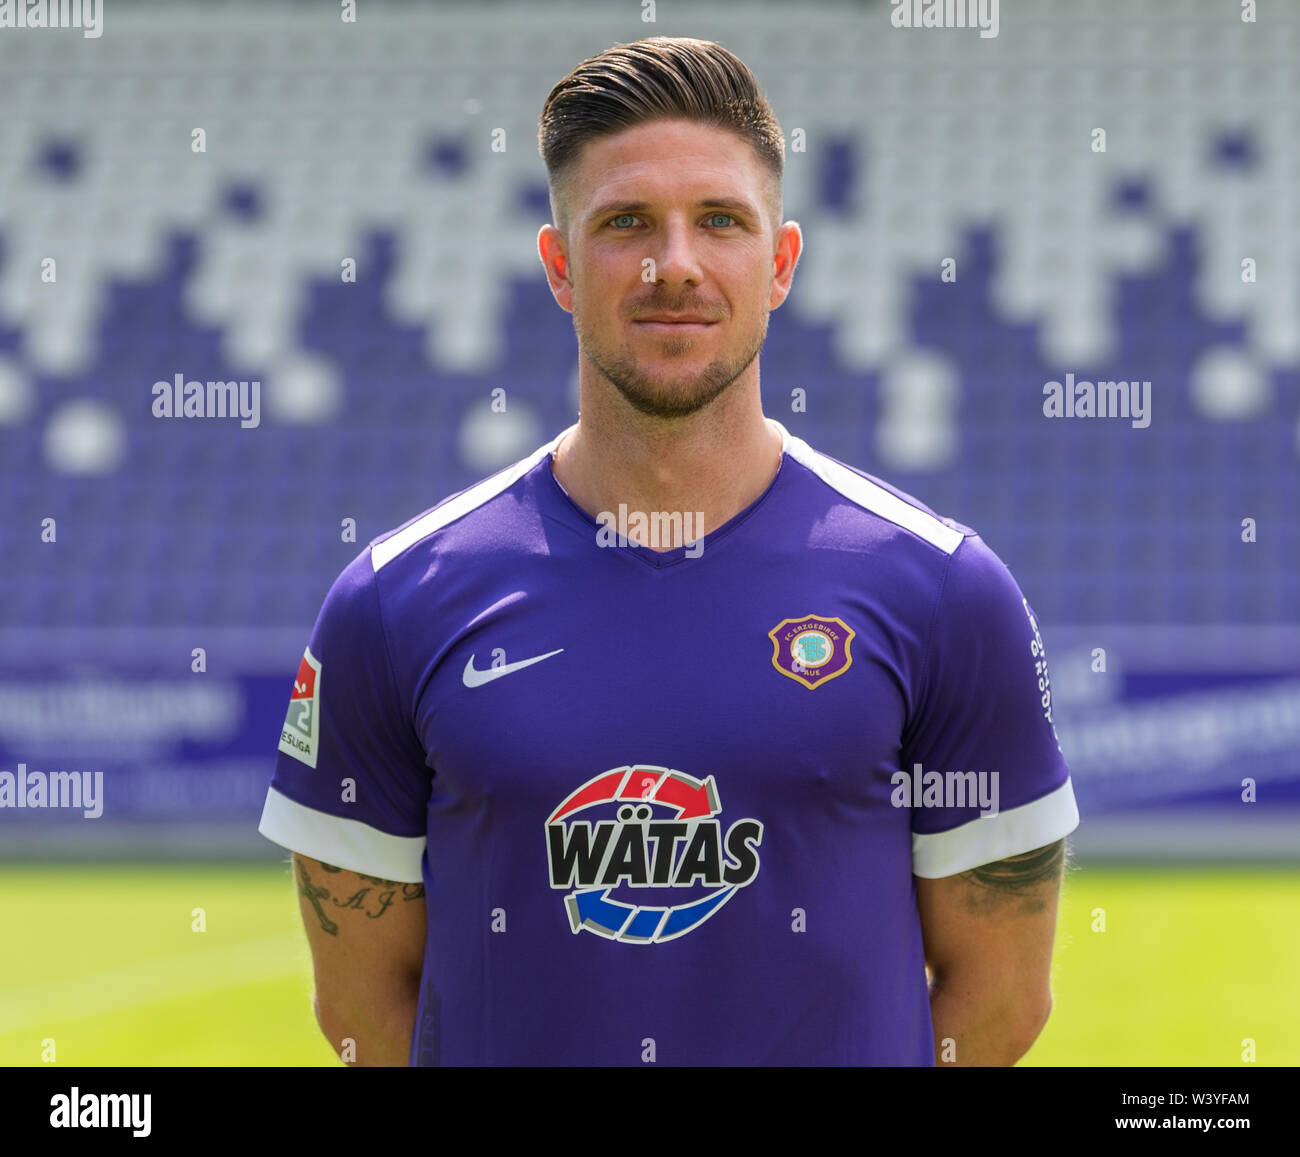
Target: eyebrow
[(615, 207)]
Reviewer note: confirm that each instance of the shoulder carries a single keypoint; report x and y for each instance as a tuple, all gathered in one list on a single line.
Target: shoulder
[(880, 503), (387, 579), (944, 563), (471, 510)]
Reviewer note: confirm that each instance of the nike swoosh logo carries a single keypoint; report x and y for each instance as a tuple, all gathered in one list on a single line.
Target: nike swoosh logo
[(473, 678)]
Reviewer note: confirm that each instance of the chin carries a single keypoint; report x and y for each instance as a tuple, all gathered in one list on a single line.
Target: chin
[(673, 399)]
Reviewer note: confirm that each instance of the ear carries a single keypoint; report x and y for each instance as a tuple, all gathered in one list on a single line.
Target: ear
[(555, 260), (789, 244)]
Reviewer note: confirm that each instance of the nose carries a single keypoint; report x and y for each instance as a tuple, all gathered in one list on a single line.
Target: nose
[(675, 255)]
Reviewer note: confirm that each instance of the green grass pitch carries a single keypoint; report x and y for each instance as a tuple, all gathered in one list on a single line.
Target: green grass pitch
[(102, 961)]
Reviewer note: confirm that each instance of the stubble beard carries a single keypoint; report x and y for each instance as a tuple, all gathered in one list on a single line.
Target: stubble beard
[(660, 397)]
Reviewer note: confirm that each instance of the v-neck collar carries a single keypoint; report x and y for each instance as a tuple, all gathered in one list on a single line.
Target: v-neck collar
[(665, 558)]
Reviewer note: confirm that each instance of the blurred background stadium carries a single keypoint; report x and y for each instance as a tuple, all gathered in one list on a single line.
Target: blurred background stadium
[(406, 142)]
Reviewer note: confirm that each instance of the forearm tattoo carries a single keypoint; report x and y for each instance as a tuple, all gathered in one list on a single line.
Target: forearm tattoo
[(1017, 877), (387, 892)]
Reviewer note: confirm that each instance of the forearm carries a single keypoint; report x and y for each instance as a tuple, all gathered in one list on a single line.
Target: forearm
[(976, 1026), (366, 1033)]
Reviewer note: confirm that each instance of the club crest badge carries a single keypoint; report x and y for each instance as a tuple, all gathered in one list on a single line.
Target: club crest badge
[(811, 649)]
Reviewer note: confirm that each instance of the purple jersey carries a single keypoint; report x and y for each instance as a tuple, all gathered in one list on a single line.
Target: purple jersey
[(668, 806)]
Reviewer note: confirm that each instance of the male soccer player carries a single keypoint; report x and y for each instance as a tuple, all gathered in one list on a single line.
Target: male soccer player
[(560, 793)]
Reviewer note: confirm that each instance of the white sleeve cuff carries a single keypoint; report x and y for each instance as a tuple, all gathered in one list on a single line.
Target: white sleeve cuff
[(987, 839), (343, 843)]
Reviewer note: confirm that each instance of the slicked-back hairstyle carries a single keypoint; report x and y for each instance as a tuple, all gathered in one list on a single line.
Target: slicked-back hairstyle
[(660, 77)]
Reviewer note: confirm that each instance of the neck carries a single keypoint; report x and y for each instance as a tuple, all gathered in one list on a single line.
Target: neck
[(711, 464)]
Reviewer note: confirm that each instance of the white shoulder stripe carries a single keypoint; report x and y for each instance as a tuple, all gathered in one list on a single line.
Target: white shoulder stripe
[(872, 497), (384, 552)]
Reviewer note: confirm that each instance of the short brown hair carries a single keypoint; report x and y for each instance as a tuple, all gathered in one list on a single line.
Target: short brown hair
[(661, 77)]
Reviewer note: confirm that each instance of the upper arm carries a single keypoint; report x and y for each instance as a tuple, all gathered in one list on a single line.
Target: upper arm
[(349, 797), (351, 784), (980, 728), (988, 854), (993, 927), (366, 934)]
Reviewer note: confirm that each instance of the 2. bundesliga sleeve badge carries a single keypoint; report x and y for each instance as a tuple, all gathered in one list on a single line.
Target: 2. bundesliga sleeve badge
[(811, 649), (300, 736)]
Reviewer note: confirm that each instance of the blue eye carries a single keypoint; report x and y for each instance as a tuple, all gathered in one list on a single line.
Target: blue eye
[(624, 221)]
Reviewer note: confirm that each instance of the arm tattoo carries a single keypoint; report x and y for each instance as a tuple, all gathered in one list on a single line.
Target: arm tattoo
[(384, 899), (409, 891), (316, 895), (1015, 877)]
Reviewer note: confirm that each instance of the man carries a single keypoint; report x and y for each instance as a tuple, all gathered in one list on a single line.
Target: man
[(560, 793)]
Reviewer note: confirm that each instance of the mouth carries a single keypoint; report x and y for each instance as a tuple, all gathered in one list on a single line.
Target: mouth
[(675, 327)]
